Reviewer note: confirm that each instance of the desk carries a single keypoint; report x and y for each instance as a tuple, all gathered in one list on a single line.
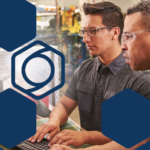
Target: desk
[(69, 125)]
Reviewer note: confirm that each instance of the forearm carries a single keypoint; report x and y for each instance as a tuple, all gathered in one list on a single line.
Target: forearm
[(109, 146), (115, 146), (59, 114), (95, 138)]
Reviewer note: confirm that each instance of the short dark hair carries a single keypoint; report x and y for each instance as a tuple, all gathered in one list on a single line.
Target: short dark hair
[(144, 8), (111, 14)]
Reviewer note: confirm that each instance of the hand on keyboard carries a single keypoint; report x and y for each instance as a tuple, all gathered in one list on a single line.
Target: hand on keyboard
[(27, 145), (51, 127)]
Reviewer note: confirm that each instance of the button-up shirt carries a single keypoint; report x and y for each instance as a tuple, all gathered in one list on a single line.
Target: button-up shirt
[(93, 83)]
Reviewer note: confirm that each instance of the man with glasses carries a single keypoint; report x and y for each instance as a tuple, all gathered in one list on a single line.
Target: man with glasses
[(95, 80), (136, 36)]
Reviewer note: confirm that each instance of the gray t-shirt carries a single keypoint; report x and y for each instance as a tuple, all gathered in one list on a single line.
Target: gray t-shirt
[(93, 83)]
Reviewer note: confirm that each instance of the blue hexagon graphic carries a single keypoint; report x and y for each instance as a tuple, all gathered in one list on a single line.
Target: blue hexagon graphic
[(125, 118), (18, 23), (18, 118), (38, 85)]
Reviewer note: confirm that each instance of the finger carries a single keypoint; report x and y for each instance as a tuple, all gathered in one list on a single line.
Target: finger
[(63, 131), (56, 138), (41, 132), (63, 139), (33, 135), (54, 147), (46, 130), (53, 134), (30, 138), (68, 143), (33, 138), (48, 136)]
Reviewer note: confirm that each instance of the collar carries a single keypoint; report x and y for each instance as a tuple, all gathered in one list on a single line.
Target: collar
[(98, 63), (114, 66), (117, 64)]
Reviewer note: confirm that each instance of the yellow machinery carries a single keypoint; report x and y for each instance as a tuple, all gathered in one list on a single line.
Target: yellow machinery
[(70, 21)]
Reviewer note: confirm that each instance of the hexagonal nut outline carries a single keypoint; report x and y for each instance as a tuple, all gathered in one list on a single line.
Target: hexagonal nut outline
[(50, 49), (28, 38)]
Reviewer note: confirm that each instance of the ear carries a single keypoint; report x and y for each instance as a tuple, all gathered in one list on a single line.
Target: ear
[(116, 33)]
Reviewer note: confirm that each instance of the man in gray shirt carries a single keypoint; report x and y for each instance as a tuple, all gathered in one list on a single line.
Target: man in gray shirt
[(93, 83), (95, 80)]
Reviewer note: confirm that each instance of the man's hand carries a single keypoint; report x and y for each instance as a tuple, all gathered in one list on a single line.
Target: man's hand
[(69, 137), (58, 117), (60, 147), (51, 127)]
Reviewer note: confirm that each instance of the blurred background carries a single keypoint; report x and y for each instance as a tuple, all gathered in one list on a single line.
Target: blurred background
[(58, 24)]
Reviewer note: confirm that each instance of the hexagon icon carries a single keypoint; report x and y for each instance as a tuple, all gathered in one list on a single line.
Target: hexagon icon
[(125, 118), (18, 23), (34, 85), (18, 118)]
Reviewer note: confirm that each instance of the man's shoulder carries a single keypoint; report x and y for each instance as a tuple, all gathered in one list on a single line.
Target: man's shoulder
[(144, 75), (135, 75)]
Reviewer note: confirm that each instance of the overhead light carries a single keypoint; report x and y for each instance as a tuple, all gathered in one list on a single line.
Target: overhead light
[(42, 6), (34, 3)]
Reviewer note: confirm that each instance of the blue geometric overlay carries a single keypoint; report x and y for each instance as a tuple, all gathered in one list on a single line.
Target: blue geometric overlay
[(1, 149), (144, 147), (125, 118), (38, 86), (18, 118), (18, 23)]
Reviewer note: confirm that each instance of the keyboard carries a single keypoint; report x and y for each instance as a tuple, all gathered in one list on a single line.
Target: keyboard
[(27, 145)]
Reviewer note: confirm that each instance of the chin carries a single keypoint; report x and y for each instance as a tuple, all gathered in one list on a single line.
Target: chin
[(92, 53), (134, 67)]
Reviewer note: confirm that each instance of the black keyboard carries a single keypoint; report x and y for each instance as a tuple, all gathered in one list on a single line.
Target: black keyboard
[(27, 145)]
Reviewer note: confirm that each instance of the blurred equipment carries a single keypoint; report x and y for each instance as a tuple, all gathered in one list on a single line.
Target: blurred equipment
[(66, 38), (71, 20), (42, 109)]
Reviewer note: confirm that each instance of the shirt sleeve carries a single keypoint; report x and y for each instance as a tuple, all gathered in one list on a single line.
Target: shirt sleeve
[(71, 92)]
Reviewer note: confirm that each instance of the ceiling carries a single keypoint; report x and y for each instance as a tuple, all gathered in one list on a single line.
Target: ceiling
[(63, 3), (124, 4)]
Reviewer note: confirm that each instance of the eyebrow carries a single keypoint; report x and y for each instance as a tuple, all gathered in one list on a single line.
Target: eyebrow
[(90, 27)]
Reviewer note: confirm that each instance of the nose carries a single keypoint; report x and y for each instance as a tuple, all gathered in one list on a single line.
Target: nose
[(86, 38), (124, 46)]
